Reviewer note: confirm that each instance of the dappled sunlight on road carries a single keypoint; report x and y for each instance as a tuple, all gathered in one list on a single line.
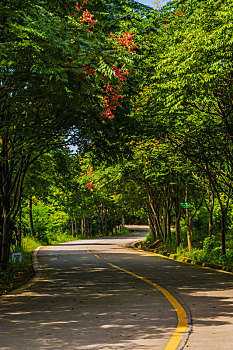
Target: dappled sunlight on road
[(79, 305), (78, 301), (94, 301)]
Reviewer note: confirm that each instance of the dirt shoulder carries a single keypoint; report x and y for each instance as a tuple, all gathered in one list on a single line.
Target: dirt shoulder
[(17, 280)]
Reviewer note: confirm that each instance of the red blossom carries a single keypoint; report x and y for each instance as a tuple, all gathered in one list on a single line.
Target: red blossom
[(126, 40), (111, 100), (87, 18), (89, 172), (90, 185), (89, 70), (180, 13)]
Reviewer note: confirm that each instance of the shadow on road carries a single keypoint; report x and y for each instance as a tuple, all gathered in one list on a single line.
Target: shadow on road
[(80, 302)]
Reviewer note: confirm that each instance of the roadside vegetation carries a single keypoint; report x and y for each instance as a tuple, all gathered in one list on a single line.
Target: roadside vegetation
[(205, 252)]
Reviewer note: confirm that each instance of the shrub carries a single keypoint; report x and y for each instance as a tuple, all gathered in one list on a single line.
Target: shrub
[(209, 244), (180, 250)]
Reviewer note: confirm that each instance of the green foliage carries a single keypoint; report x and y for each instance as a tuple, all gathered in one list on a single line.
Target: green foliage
[(19, 273), (200, 223), (211, 253), (170, 141), (46, 98), (48, 221), (209, 244), (29, 244), (180, 250)]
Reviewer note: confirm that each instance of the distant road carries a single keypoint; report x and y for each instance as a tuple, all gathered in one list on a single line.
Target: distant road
[(97, 294)]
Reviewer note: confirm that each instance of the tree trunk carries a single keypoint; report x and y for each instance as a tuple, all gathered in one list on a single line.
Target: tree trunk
[(6, 234), (211, 209), (90, 228), (122, 220), (99, 226), (223, 229), (31, 218), (188, 221), (72, 228), (169, 224), (19, 233), (5, 249), (177, 227), (177, 210), (83, 225), (188, 230), (152, 225), (156, 219), (224, 209), (1, 229), (105, 224), (164, 224), (76, 225), (87, 226)]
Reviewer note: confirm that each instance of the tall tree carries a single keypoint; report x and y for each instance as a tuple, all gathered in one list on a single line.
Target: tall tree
[(53, 78)]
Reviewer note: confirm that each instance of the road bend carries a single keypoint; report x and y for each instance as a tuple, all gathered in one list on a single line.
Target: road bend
[(98, 294)]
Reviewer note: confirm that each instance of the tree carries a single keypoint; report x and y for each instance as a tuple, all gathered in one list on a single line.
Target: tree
[(50, 90), (187, 86)]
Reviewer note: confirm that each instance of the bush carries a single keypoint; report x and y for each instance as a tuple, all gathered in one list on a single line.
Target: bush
[(209, 244), (180, 250), (200, 223)]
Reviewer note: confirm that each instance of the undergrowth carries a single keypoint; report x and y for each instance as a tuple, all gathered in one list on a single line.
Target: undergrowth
[(209, 252)]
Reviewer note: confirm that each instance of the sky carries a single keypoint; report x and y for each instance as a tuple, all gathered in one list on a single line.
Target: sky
[(149, 2)]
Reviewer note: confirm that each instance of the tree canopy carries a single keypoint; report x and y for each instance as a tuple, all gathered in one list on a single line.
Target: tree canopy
[(144, 96)]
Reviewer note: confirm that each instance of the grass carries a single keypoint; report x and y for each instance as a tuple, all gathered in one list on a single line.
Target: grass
[(19, 273)]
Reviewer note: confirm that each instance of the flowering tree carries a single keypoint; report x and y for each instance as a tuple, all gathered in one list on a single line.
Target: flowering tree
[(55, 73)]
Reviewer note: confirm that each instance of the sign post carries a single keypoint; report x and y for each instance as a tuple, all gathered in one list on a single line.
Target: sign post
[(185, 205), (16, 258)]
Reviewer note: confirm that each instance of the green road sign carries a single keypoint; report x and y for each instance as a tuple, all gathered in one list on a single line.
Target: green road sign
[(185, 205)]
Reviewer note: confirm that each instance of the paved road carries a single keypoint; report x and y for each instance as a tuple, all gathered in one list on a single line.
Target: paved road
[(79, 301)]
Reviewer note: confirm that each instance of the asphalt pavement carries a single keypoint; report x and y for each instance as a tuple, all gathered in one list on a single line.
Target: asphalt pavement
[(100, 295)]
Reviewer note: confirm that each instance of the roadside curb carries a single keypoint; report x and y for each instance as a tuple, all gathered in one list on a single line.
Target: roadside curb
[(35, 262), (185, 260)]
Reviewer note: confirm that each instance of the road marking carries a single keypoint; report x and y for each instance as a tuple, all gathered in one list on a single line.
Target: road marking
[(182, 326), (97, 256)]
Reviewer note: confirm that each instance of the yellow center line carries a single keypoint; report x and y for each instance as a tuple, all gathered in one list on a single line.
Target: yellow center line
[(182, 326), (97, 256)]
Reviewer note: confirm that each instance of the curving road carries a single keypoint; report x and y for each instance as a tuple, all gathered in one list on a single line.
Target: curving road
[(84, 297)]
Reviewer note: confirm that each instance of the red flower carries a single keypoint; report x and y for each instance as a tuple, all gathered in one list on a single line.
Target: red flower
[(89, 185), (89, 172)]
